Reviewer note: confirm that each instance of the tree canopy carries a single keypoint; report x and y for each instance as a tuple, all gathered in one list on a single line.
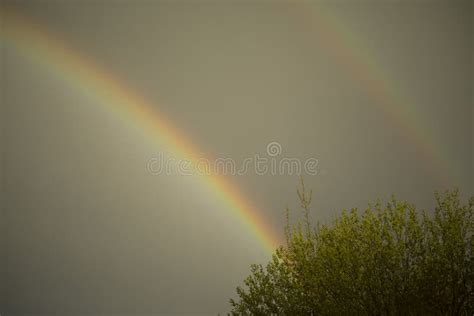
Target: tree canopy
[(386, 260)]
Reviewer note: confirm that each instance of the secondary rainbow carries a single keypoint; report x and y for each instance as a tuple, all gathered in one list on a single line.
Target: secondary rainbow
[(348, 51), (34, 41)]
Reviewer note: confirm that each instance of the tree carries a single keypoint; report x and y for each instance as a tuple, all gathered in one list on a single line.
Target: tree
[(386, 260)]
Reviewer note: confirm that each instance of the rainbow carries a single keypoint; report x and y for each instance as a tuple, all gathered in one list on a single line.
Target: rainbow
[(347, 50), (39, 45), (32, 40)]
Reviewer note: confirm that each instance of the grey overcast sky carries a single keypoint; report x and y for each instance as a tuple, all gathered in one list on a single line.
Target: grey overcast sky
[(379, 92)]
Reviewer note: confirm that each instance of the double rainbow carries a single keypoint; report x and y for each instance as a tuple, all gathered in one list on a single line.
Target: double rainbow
[(37, 43)]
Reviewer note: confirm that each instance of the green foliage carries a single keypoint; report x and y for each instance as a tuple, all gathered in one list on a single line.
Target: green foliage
[(386, 260)]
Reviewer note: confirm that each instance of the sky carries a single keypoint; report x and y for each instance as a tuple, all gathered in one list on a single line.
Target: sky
[(99, 98)]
